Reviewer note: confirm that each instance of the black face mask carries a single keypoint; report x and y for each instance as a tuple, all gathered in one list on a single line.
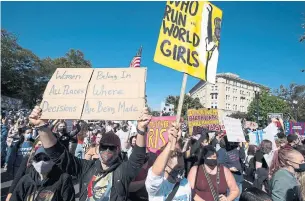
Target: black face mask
[(211, 162), (301, 168), (177, 174)]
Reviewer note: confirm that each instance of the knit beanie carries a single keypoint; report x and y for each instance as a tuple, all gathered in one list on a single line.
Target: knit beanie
[(111, 139)]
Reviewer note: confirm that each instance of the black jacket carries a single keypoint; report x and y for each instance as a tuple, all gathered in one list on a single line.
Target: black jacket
[(69, 136), (57, 187), (89, 173)]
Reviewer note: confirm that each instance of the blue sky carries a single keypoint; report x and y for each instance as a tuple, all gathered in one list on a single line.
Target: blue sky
[(259, 40)]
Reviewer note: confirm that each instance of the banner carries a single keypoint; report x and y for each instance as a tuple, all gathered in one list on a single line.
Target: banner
[(101, 93), (295, 127), (234, 130), (157, 136), (189, 38), (202, 118)]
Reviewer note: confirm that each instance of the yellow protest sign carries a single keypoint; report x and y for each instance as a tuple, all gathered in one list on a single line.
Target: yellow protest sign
[(203, 118), (189, 38)]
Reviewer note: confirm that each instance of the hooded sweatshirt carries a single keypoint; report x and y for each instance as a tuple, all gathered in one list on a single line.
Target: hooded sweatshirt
[(95, 183), (57, 187)]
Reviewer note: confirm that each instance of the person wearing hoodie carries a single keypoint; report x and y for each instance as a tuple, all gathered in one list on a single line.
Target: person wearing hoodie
[(44, 182), (24, 168), (106, 179)]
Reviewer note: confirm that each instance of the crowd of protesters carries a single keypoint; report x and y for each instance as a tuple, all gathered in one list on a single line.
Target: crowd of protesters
[(110, 162)]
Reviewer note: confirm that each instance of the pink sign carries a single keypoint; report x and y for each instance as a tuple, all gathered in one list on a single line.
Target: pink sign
[(157, 135)]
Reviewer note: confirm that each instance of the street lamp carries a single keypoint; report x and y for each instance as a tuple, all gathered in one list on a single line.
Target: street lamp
[(295, 103), (256, 92)]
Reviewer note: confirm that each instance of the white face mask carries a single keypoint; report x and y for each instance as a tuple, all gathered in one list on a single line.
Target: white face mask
[(43, 167)]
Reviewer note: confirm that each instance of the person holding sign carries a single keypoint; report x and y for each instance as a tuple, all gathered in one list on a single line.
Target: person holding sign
[(106, 179), (165, 180)]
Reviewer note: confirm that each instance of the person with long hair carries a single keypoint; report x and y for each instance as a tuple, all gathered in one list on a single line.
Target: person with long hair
[(284, 184), (63, 135), (211, 181), (261, 166), (79, 151), (93, 150), (232, 157)]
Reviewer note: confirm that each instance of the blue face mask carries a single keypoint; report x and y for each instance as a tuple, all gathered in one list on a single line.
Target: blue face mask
[(28, 136)]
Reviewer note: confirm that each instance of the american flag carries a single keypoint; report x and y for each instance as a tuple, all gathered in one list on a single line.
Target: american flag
[(136, 61)]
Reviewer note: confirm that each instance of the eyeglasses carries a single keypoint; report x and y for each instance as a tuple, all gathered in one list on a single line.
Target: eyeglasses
[(105, 147), (41, 157)]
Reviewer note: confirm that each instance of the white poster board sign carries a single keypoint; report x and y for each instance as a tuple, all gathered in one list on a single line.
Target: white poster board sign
[(234, 130), (269, 132)]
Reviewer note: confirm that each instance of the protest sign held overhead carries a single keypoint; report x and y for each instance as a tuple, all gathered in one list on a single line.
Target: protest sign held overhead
[(103, 93), (157, 136), (65, 93), (116, 93), (189, 38), (234, 130), (203, 118)]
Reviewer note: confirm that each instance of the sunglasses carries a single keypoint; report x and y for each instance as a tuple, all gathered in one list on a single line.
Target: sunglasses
[(41, 157), (105, 147)]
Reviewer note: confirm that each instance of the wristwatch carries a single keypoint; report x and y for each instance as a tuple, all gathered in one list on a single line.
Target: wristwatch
[(142, 132)]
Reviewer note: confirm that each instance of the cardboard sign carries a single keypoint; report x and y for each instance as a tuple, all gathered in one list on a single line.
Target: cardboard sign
[(61, 108), (85, 93), (110, 109), (203, 118), (157, 136), (234, 130), (189, 38), (65, 93)]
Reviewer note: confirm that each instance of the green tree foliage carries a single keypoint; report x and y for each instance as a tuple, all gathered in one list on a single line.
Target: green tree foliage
[(188, 103), (153, 113), (294, 95), (24, 75), (267, 103), (238, 115)]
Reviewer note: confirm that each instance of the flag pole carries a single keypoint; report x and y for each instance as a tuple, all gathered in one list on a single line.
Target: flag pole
[(180, 104)]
